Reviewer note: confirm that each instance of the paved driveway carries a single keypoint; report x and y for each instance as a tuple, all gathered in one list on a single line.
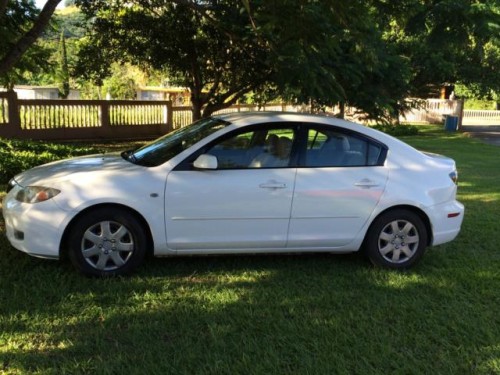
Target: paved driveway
[(488, 134)]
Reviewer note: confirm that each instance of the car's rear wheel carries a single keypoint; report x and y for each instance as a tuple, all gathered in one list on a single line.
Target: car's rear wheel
[(397, 239), (107, 242)]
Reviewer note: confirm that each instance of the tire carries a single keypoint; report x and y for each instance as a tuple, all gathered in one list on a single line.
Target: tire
[(107, 241), (397, 239)]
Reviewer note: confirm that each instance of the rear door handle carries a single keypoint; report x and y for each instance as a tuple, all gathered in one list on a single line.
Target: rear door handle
[(366, 183), (272, 185)]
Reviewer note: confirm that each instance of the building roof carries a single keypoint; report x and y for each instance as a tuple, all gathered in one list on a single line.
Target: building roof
[(163, 89), (29, 87)]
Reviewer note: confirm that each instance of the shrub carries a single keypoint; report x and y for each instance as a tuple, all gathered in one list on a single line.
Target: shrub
[(397, 130), (17, 156)]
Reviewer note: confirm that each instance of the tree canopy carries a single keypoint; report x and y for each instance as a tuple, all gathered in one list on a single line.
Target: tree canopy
[(21, 24), (445, 41), (319, 52), (368, 54)]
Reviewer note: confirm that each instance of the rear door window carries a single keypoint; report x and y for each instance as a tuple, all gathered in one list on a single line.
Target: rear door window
[(337, 148)]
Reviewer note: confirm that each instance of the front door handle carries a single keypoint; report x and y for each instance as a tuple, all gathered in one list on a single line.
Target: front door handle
[(366, 183)]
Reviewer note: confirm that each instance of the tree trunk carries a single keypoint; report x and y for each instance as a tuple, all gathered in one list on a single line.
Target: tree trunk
[(211, 108), (196, 108), (196, 102), (342, 110), (27, 40)]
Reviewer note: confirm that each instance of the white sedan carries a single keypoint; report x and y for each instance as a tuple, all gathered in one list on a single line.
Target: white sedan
[(239, 183)]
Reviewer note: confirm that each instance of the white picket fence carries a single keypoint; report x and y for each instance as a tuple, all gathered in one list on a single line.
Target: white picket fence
[(435, 110), (432, 111), (481, 117)]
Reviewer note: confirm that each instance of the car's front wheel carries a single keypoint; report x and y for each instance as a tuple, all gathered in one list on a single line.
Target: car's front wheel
[(397, 239), (107, 241)]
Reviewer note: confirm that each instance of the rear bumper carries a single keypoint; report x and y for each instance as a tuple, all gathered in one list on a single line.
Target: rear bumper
[(446, 221)]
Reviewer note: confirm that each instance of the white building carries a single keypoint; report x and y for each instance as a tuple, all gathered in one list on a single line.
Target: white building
[(179, 96), (42, 92)]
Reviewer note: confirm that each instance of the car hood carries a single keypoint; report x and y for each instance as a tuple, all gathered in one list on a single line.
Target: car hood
[(63, 169)]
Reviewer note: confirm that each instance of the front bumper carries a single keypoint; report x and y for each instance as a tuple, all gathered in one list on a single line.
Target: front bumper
[(35, 229)]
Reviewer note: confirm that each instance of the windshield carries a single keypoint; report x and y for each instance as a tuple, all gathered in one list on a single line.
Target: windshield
[(172, 144)]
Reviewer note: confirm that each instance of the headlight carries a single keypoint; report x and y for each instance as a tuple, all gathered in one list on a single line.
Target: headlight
[(36, 194)]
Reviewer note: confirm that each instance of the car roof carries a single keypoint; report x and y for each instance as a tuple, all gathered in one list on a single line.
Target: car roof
[(247, 118)]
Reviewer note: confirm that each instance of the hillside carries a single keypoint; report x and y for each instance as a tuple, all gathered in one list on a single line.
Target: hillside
[(69, 19)]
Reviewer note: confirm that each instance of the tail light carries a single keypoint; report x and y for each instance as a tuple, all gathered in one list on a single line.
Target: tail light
[(454, 177)]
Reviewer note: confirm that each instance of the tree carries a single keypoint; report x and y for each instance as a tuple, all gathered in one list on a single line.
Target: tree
[(21, 25), (218, 64), (63, 72), (445, 41), (224, 49), (123, 82)]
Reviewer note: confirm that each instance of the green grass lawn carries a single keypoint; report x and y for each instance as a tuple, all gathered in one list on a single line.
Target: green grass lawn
[(299, 314)]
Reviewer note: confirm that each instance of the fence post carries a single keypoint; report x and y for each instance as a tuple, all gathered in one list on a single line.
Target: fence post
[(13, 113), (104, 114), (105, 119), (13, 109), (461, 105)]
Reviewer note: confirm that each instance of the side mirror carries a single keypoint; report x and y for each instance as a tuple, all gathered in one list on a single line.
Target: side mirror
[(205, 161)]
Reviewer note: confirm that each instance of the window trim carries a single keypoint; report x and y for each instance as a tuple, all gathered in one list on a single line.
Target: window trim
[(304, 131), (187, 163), (299, 145)]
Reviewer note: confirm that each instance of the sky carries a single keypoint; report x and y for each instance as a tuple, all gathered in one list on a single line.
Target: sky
[(41, 3)]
